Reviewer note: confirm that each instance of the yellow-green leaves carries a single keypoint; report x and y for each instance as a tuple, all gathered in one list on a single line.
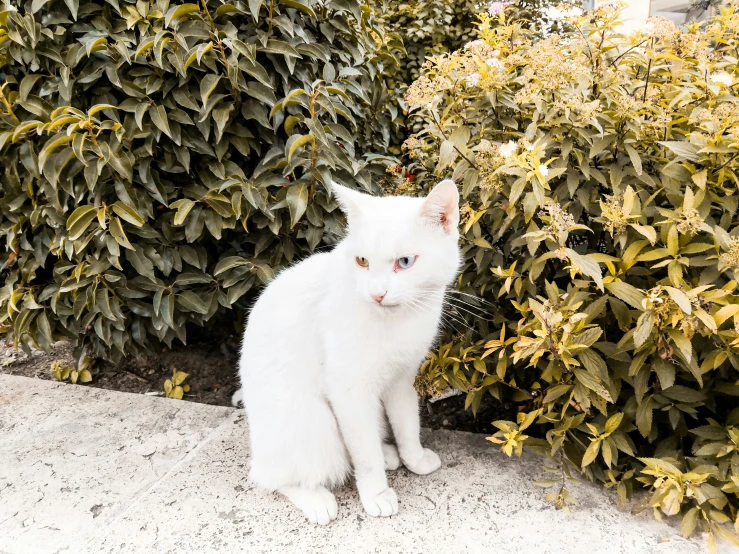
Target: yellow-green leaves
[(145, 157), (295, 142), (80, 374), (159, 117), (628, 293), (80, 220), (116, 230), (176, 13), (297, 201), (587, 265), (127, 213), (600, 238), (207, 85), (510, 435), (176, 387)]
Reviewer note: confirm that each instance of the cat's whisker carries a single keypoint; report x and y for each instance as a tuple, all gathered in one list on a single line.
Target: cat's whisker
[(460, 301), (480, 315), (476, 298), (425, 308), (456, 318), (449, 292), (445, 320), (461, 305)]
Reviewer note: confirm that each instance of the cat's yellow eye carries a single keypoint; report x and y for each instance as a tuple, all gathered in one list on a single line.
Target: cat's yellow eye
[(362, 261)]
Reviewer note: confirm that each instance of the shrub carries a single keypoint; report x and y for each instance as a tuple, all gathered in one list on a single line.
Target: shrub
[(161, 160), (598, 176), (434, 27), (429, 27)]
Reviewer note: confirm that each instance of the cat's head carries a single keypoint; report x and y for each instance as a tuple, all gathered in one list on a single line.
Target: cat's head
[(400, 250)]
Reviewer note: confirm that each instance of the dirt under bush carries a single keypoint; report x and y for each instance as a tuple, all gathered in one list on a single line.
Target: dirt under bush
[(212, 376), (211, 370)]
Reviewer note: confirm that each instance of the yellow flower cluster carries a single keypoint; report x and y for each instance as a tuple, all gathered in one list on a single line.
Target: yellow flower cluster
[(560, 221), (656, 126), (724, 118), (661, 29), (689, 221), (421, 92), (660, 304), (612, 211), (427, 386), (481, 49), (666, 311), (626, 105), (478, 65), (488, 159), (575, 104), (690, 325), (731, 258), (552, 66), (412, 146)]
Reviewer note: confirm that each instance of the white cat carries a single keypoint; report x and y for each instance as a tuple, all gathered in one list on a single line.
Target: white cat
[(339, 337)]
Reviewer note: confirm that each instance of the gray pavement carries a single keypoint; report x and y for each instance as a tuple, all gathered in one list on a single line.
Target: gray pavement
[(89, 471)]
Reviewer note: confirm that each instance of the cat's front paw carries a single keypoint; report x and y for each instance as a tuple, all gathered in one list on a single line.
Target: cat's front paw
[(318, 505), (381, 505), (427, 463)]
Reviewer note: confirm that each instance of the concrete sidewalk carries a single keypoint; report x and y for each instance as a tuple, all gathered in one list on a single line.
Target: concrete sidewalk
[(89, 471)]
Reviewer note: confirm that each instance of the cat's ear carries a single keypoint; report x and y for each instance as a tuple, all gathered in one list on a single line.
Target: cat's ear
[(441, 206), (350, 201)]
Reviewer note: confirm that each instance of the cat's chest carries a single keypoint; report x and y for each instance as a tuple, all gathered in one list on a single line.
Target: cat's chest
[(390, 343)]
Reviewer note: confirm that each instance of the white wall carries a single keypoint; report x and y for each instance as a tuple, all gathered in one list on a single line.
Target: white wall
[(635, 14)]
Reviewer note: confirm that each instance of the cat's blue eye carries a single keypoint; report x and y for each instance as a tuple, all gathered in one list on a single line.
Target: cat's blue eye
[(405, 262)]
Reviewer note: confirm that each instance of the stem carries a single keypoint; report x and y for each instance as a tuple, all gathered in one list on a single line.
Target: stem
[(649, 71), (443, 134), (646, 85), (487, 230), (727, 162), (313, 154), (205, 9), (627, 51), (592, 59), (527, 393)]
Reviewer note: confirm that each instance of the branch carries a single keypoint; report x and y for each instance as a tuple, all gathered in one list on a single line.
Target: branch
[(443, 134)]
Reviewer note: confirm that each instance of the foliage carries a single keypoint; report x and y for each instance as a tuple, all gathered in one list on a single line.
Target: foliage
[(176, 387), (81, 373), (601, 236), (159, 161), (428, 27)]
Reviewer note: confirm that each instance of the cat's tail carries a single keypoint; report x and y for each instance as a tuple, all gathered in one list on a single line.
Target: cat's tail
[(238, 399)]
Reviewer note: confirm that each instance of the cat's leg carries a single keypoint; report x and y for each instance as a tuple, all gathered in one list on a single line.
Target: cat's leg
[(359, 415), (392, 459), (401, 405), (317, 504), (296, 449)]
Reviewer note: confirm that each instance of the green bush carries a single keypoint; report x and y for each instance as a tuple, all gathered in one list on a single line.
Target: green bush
[(434, 27), (161, 160), (429, 27), (599, 184)]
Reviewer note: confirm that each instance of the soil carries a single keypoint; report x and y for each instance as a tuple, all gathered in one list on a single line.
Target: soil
[(211, 370), (449, 413), (213, 379)]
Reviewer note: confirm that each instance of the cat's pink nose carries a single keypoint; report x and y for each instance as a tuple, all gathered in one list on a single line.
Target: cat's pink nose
[(378, 296)]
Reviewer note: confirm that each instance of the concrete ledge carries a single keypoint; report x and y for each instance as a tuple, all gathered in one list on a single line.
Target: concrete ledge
[(84, 470)]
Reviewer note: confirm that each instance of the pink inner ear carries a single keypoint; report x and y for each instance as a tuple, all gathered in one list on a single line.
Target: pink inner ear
[(442, 205)]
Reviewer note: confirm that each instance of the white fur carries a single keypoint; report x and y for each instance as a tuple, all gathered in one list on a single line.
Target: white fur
[(322, 361)]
